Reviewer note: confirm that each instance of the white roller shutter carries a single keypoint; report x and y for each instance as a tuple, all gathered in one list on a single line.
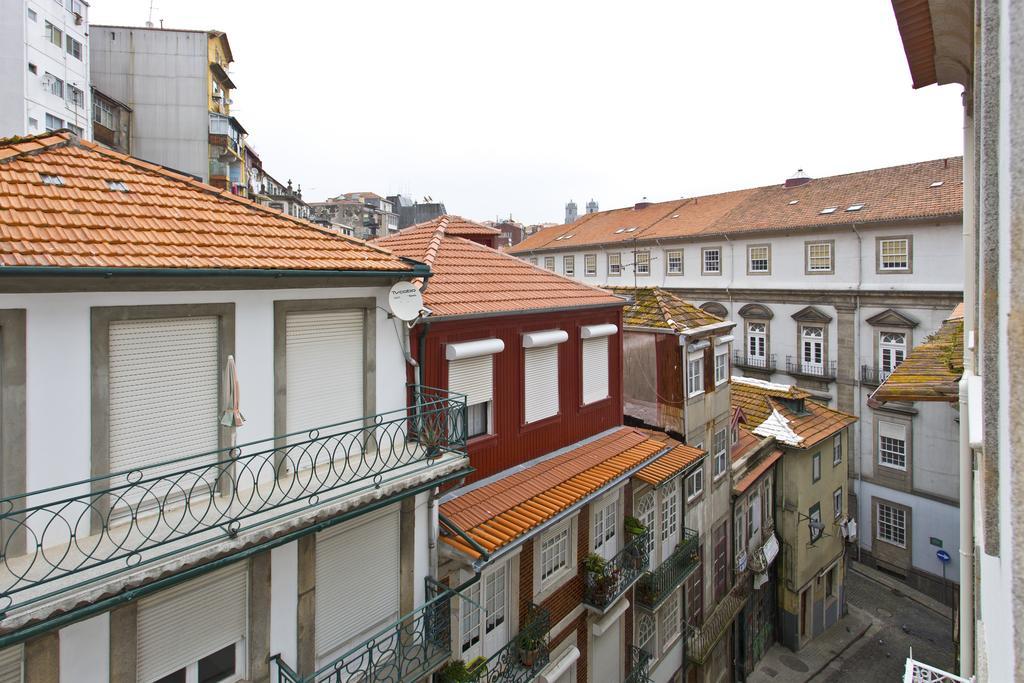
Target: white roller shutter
[(183, 624), (595, 369), (357, 581), (164, 390), (324, 368), (10, 664), (892, 430), (541, 382), (473, 377)]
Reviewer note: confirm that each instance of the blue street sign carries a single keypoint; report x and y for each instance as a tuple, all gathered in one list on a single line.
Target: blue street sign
[(942, 555)]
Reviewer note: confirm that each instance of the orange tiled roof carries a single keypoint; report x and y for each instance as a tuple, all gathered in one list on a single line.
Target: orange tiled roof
[(670, 464), (471, 279), (746, 440), (887, 194), (660, 309), (756, 471), (497, 513), (932, 370), (164, 220), (760, 400), (914, 19)]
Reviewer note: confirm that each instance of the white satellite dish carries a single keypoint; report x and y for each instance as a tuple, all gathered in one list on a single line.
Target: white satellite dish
[(405, 301)]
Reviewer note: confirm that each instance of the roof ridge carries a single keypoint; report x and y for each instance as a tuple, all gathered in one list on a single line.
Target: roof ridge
[(435, 241)]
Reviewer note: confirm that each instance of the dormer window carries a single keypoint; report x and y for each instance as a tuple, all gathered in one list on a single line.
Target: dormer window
[(49, 179)]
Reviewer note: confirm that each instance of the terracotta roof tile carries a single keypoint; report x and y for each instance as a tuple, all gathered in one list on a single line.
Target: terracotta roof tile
[(762, 401), (887, 194), (501, 511), (669, 465), (932, 370), (165, 220), (657, 308), (754, 473), (471, 279)]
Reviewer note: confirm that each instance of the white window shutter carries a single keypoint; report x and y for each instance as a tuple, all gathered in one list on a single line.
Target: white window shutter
[(541, 382), (892, 430), (324, 368), (183, 624), (473, 377), (11, 664), (595, 369), (357, 581), (164, 390)]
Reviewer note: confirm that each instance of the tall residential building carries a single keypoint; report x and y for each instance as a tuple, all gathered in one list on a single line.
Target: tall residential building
[(977, 45), (44, 67), (831, 281), (177, 85), (412, 212)]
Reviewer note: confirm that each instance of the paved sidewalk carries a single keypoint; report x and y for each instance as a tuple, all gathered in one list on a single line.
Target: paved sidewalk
[(782, 665), (900, 588)]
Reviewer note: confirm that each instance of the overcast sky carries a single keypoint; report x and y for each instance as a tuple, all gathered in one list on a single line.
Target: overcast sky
[(516, 107)]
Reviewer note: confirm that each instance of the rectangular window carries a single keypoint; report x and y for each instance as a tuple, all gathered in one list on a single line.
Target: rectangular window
[(830, 582), (757, 343), (759, 259), (892, 349), (674, 262), (76, 97), (541, 382), (74, 47), (695, 374), (894, 254), (812, 350), (669, 622), (614, 264), (815, 467), (768, 499), (837, 502), (55, 35), (720, 445), (892, 445), (754, 516), (711, 261), (77, 130), (102, 113), (549, 263), (721, 364), (814, 524), (739, 533), (819, 257), (643, 262), (695, 484), (533, 260), (604, 530), (646, 629), (892, 524), (569, 265), (53, 123), (590, 265), (554, 554), (474, 377), (669, 512), (32, 16), (469, 617), (55, 85), (837, 449), (595, 369)]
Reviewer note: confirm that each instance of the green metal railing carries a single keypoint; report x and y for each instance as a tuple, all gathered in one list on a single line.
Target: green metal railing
[(640, 663), (522, 658), (653, 587), (606, 580), (407, 650), (87, 531)]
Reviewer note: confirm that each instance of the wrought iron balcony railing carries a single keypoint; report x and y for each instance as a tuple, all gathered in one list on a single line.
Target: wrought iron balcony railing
[(407, 650), (640, 664), (701, 640), (919, 672), (654, 586), (766, 363), (873, 376), (606, 580), (88, 531), (823, 370), (522, 658)]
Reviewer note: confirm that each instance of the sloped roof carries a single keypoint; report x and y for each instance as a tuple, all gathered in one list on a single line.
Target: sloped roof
[(164, 220), (754, 473), (657, 308), (472, 279), (671, 464), (932, 369), (769, 412), (501, 511), (888, 194)]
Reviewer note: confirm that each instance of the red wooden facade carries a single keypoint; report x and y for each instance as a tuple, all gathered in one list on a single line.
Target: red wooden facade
[(511, 442)]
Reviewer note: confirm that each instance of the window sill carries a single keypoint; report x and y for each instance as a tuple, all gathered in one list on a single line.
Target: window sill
[(480, 440), (895, 468), (695, 499), (540, 424)]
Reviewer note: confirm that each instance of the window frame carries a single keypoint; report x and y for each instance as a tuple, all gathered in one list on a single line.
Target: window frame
[(53, 31), (696, 476), (549, 263), (880, 266), (642, 257), (837, 503), (569, 265), (814, 515), (590, 265), (816, 467), (544, 586), (692, 377), (894, 351), (809, 259), (617, 264), (721, 455), (704, 252), (894, 456), (837, 449), (721, 363), (767, 259), (902, 527), (73, 47), (670, 611), (670, 256)]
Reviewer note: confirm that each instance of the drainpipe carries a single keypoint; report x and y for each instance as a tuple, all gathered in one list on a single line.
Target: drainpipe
[(856, 354), (732, 270)]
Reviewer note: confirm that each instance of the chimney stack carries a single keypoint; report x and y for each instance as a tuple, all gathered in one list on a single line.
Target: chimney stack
[(799, 178)]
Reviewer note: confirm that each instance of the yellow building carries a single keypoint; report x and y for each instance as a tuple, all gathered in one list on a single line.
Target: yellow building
[(227, 136)]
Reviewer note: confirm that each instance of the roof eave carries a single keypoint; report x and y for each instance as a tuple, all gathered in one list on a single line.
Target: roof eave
[(94, 271)]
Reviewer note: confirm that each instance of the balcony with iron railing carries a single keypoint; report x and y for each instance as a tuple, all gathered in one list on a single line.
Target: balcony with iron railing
[(407, 650), (91, 531), (826, 370), (919, 672), (763, 363), (654, 586), (639, 666), (702, 639), (523, 657), (873, 376), (605, 580)]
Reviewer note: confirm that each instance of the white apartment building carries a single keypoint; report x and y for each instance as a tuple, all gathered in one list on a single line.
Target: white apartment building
[(44, 67), (213, 464), (831, 281)]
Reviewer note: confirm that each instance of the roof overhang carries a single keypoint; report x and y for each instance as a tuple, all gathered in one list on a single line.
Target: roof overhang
[(222, 76), (938, 39)]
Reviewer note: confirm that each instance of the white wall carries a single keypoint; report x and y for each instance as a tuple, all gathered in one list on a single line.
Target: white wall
[(284, 602), (85, 651)]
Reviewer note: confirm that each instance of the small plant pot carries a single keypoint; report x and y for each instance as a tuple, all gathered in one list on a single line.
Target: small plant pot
[(528, 657)]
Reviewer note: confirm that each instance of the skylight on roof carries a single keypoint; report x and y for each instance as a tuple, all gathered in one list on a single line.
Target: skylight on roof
[(794, 201), (49, 179), (831, 209), (117, 186), (855, 207), (620, 230), (675, 215), (630, 230), (937, 183)]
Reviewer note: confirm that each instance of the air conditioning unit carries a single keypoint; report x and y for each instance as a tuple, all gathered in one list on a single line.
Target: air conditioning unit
[(78, 19)]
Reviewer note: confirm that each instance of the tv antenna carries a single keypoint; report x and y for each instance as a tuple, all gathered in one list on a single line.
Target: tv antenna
[(149, 21)]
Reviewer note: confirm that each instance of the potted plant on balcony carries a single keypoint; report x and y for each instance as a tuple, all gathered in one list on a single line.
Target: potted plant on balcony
[(529, 646), (601, 579), (645, 591), (455, 672), (634, 527), (477, 668)]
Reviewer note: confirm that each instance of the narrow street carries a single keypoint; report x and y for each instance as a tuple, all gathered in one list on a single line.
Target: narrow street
[(899, 624)]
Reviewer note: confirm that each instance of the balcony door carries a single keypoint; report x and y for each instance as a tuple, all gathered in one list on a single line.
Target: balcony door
[(892, 347), (812, 350), (669, 531), (606, 535), (645, 512), (757, 343), (484, 626)]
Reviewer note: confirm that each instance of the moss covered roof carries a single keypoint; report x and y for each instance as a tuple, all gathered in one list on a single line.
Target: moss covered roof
[(656, 308), (932, 370)]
